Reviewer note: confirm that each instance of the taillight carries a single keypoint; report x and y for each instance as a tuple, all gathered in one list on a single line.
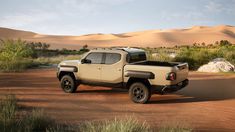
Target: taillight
[(171, 76)]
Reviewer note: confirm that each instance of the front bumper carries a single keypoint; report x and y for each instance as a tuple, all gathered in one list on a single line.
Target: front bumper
[(171, 88), (57, 75)]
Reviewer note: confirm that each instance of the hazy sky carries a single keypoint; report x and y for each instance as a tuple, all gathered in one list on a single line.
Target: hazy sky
[(76, 17)]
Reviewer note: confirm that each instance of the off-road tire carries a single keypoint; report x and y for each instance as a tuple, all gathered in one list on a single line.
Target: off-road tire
[(68, 84), (139, 93)]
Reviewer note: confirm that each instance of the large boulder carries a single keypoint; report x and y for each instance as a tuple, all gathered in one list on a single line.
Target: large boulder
[(217, 65)]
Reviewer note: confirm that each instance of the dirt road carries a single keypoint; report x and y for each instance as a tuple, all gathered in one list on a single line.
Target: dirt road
[(207, 104)]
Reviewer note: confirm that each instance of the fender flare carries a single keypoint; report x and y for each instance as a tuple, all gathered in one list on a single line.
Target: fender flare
[(139, 74), (68, 68), (64, 69)]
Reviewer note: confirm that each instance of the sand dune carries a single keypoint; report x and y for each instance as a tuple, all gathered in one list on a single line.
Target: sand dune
[(10, 33), (150, 38)]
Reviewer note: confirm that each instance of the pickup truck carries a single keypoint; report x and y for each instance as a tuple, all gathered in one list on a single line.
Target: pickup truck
[(123, 68)]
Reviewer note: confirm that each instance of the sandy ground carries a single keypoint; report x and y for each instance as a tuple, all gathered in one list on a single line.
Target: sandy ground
[(207, 104)]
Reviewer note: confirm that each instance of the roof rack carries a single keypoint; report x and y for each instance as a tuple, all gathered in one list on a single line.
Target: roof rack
[(123, 48), (115, 48), (111, 48), (102, 49)]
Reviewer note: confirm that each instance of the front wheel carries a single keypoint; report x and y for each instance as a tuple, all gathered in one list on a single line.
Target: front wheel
[(68, 84), (139, 93)]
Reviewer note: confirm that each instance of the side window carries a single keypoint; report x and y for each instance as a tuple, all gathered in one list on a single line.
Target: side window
[(111, 58), (95, 58), (135, 57)]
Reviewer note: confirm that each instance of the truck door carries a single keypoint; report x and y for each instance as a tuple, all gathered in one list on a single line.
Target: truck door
[(91, 72), (111, 70)]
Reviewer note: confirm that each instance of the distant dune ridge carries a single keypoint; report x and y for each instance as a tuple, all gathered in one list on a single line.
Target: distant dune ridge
[(150, 38)]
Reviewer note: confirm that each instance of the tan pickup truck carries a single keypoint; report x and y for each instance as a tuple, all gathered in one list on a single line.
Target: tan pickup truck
[(123, 68)]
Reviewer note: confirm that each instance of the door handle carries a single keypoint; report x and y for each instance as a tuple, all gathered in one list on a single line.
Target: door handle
[(99, 68), (119, 69)]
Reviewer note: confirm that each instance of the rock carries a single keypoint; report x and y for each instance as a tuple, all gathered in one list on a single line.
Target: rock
[(172, 55), (155, 54), (217, 65)]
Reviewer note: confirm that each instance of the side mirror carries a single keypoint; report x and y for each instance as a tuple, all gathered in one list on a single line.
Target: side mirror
[(86, 61)]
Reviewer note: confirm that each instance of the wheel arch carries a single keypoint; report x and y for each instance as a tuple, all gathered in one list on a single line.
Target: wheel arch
[(133, 80), (63, 73)]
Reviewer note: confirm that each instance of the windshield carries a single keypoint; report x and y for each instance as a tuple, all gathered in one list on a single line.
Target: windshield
[(136, 56)]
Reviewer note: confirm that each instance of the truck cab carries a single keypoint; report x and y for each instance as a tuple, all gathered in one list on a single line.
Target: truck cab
[(123, 68)]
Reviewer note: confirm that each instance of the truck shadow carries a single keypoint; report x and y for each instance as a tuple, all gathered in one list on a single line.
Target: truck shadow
[(103, 90), (201, 91)]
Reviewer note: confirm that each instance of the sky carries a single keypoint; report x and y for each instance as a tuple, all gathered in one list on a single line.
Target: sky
[(78, 17)]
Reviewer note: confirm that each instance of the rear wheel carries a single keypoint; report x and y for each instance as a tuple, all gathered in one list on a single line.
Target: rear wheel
[(68, 84), (139, 93)]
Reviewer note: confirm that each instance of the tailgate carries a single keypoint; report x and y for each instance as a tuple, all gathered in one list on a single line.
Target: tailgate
[(182, 72)]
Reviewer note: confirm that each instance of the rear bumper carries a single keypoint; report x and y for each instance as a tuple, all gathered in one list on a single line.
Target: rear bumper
[(170, 88)]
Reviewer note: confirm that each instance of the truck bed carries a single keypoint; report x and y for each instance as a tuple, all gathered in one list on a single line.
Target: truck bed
[(157, 71), (156, 63)]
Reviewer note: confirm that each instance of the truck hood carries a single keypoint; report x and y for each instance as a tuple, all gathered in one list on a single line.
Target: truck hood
[(70, 63)]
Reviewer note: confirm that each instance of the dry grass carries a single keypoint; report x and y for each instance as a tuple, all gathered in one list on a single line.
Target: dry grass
[(128, 124), (175, 126), (38, 121)]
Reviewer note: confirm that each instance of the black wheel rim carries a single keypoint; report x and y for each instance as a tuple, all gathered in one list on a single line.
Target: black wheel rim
[(67, 84), (138, 93)]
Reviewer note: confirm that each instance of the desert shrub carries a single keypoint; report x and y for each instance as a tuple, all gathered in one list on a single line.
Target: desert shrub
[(15, 55), (175, 128), (195, 56), (159, 57), (54, 59), (230, 56), (14, 49), (65, 51), (15, 65), (18, 55), (36, 120), (227, 52), (128, 124), (160, 54), (8, 110), (225, 43), (62, 128)]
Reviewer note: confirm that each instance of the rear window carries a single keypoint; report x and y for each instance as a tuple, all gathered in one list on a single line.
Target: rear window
[(136, 56), (111, 58)]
